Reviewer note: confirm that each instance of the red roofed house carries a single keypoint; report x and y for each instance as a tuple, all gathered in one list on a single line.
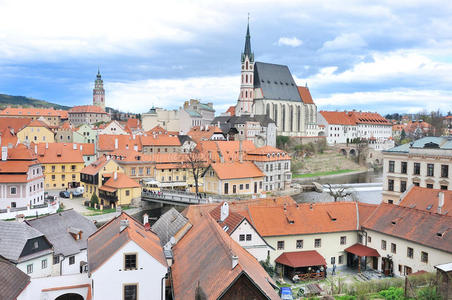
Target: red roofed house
[(21, 178), (36, 131), (432, 200), (51, 116), (343, 127), (126, 261), (233, 178), (119, 189), (87, 114)]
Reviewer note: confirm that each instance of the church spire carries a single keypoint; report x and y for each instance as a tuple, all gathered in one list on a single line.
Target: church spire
[(247, 50)]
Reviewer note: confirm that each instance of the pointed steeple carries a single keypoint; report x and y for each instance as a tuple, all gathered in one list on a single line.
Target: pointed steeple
[(247, 50), (98, 73)]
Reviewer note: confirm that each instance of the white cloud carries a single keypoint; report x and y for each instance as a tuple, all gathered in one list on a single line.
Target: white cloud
[(140, 96), (344, 41), (292, 42)]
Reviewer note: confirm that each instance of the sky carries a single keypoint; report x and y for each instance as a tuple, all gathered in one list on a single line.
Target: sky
[(385, 56)]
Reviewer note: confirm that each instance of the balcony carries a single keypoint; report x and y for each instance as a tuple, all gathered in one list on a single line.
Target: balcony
[(110, 197)]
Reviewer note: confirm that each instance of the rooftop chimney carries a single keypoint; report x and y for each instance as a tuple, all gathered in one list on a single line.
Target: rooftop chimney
[(440, 201), (235, 260), (36, 149), (4, 153), (224, 213), (81, 147), (47, 145), (115, 175), (74, 146), (116, 143), (145, 219), (123, 224)]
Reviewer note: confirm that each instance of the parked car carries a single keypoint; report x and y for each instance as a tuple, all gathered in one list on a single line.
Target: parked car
[(77, 193), (65, 194), (286, 293)]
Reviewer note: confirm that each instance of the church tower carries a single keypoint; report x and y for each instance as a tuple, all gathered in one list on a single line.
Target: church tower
[(99, 92), (245, 101)]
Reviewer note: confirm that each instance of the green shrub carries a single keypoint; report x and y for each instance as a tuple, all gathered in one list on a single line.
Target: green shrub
[(94, 199), (393, 293), (429, 293)]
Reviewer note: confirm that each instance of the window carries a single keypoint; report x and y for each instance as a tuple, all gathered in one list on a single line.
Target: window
[(403, 167), (30, 269), (417, 169), (402, 186), (13, 190), (247, 186), (390, 185), (241, 237), (35, 245), (56, 260), (73, 167), (280, 245), (72, 260), (127, 193), (393, 248), (430, 169), (44, 263), (443, 187), (130, 261), (318, 243), (241, 186), (424, 257), (248, 237), (333, 260), (369, 239), (391, 166), (409, 252), (130, 292), (133, 171), (343, 240), (299, 244), (63, 168), (341, 259), (429, 185), (383, 244), (444, 171)]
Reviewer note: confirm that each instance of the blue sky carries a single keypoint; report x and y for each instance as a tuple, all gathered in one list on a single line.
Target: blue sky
[(385, 56)]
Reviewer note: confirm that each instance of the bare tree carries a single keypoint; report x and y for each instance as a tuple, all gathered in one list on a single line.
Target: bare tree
[(339, 192), (196, 162)]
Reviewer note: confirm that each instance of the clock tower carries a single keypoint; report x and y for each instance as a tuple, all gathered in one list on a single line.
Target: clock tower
[(99, 92), (246, 97)]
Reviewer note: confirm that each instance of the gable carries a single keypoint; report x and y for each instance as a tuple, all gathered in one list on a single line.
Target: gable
[(243, 288)]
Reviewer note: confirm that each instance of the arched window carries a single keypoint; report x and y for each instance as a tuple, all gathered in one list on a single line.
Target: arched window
[(275, 115), (311, 115), (306, 115), (291, 118), (246, 78), (246, 94), (242, 79), (247, 65), (298, 118), (242, 95), (251, 78), (283, 117)]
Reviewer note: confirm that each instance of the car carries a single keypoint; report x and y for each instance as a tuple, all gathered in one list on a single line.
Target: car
[(77, 193), (286, 293), (65, 194)]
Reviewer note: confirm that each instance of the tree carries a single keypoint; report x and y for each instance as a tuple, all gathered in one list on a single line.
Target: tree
[(196, 163), (340, 192), (94, 199), (402, 135), (282, 141)]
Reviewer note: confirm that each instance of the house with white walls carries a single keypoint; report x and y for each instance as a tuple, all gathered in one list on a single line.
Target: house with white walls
[(114, 127), (126, 261)]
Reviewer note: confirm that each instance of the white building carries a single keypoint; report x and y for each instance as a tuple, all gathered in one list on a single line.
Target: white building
[(113, 128), (126, 261)]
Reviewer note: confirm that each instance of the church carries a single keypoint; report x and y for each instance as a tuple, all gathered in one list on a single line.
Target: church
[(269, 89)]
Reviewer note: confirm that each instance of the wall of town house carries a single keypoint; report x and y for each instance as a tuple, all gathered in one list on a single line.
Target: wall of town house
[(435, 256), (58, 182), (256, 246), (38, 271), (36, 135), (330, 245), (214, 185), (409, 177)]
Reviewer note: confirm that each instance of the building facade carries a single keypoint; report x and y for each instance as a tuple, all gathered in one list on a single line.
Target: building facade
[(87, 114), (99, 92)]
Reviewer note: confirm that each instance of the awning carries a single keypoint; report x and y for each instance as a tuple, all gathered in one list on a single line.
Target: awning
[(361, 250), (300, 259)]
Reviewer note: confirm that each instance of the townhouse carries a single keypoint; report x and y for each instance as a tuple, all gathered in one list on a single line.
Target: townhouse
[(87, 114), (37, 132), (425, 162), (85, 134), (114, 127), (53, 117), (119, 189), (160, 143)]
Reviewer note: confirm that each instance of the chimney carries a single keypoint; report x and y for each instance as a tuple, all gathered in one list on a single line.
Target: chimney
[(116, 143), (218, 124), (135, 147), (36, 149), (440, 201), (74, 146), (115, 175), (145, 219), (81, 147), (4, 153), (47, 145), (235, 261), (224, 213), (123, 224)]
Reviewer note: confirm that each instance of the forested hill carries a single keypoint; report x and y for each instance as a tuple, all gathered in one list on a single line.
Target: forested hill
[(14, 101)]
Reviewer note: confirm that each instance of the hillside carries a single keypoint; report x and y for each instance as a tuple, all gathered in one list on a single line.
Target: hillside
[(14, 101)]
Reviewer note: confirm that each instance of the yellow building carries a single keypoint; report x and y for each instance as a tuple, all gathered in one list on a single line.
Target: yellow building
[(37, 132), (234, 178), (61, 165), (92, 176), (119, 189), (177, 176)]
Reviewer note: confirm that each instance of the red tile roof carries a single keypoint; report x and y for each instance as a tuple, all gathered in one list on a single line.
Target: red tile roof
[(231, 110), (267, 153), (300, 259), (108, 239), (204, 257), (58, 153), (304, 218), (229, 149), (19, 161), (427, 199), (425, 228), (95, 167), (159, 140), (157, 130), (203, 133), (232, 221), (305, 95), (337, 117), (29, 112), (235, 170), (365, 210), (122, 181), (87, 109), (362, 250), (353, 118), (106, 142), (16, 124)]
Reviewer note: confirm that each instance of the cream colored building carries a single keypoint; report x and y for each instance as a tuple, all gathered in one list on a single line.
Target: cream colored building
[(37, 132), (167, 119), (426, 162)]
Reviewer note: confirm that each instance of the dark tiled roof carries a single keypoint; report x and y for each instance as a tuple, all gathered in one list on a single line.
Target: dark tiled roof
[(168, 225), (57, 229), (12, 280), (13, 237), (204, 257), (276, 82), (425, 228)]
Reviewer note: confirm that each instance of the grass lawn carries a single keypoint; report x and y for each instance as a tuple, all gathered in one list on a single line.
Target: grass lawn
[(316, 174), (105, 211)]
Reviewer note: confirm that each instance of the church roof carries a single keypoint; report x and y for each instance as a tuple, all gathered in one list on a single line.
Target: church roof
[(276, 82)]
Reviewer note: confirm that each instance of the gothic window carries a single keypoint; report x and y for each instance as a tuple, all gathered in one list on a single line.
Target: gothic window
[(247, 65), (246, 94), (242, 79), (291, 118), (298, 119), (251, 94), (246, 78), (311, 115), (306, 115), (251, 78), (267, 111), (283, 117), (275, 115)]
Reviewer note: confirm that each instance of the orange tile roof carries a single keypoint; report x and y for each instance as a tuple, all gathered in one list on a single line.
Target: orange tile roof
[(236, 170), (7, 138), (353, 118), (199, 133), (427, 199), (106, 142), (29, 112), (193, 267), (37, 123), (267, 153), (94, 168), (159, 140), (337, 117), (108, 239), (306, 218), (232, 221), (419, 226), (19, 161), (58, 153), (87, 109), (365, 210), (298, 259), (231, 110), (16, 124), (228, 149), (157, 130), (133, 124), (122, 181), (305, 95)]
